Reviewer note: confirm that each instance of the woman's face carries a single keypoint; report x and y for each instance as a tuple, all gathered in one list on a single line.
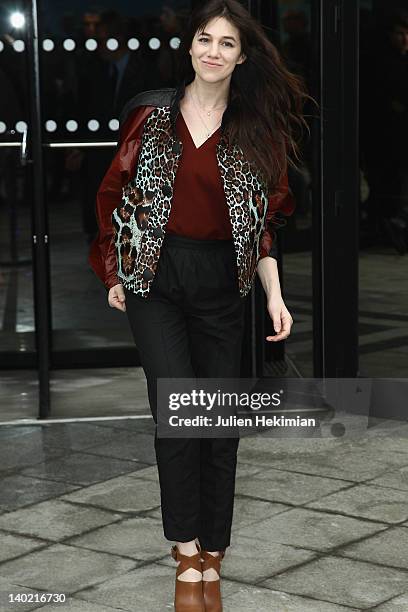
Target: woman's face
[(399, 39), (216, 50)]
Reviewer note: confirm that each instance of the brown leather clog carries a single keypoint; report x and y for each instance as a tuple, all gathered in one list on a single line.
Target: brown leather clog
[(188, 596), (212, 588)]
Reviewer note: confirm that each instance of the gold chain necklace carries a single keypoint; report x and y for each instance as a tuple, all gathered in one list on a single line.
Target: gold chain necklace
[(207, 130)]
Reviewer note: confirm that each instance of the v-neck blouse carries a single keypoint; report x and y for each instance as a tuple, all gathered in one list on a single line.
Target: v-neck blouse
[(199, 208)]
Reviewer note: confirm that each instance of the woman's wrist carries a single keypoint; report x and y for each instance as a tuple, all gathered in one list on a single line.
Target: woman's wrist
[(269, 277), (272, 293)]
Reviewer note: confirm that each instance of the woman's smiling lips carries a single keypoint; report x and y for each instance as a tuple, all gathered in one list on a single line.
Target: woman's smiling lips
[(210, 64)]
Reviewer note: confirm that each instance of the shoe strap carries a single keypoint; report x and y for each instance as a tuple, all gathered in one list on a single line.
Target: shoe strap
[(209, 561), (186, 562)]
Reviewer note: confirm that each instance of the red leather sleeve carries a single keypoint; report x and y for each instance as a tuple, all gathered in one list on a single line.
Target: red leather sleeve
[(282, 201), (102, 253)]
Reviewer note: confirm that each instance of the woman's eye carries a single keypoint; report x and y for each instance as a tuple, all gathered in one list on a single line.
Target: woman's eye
[(205, 40)]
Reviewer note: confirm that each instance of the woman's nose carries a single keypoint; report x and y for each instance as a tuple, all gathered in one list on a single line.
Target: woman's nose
[(213, 50)]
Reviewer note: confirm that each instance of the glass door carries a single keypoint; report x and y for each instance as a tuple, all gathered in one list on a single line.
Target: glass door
[(92, 61), (18, 348), (319, 245), (294, 27), (383, 318), (67, 82)]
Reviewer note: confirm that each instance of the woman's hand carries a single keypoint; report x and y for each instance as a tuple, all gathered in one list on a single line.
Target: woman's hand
[(116, 297), (280, 315)]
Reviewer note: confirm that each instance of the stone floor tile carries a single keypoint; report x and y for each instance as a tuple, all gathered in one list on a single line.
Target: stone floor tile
[(101, 392), (132, 446), (81, 468), (8, 589), (382, 449), (55, 520), (145, 425), (309, 529), (393, 442), (256, 599), (389, 547), (286, 487), (248, 511), (148, 473), (396, 604), (340, 461), (75, 436), (342, 581), (394, 479), (62, 436), (247, 469), (140, 538), (64, 569), (17, 491), (387, 427), (14, 545), (251, 560), (149, 588), (15, 432), (123, 493), (71, 604), (279, 448), (30, 453), (155, 514), (367, 501)]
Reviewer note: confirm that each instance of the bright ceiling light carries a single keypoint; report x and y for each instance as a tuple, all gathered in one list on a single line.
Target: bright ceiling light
[(17, 20)]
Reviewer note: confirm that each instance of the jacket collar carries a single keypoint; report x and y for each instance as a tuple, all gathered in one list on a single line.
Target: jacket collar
[(175, 107)]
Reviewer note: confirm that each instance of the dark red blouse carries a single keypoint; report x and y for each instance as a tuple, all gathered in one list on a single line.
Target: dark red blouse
[(199, 208)]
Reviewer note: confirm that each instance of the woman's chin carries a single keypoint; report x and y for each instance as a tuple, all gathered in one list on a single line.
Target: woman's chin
[(209, 78)]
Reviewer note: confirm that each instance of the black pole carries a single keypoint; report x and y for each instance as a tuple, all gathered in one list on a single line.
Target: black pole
[(40, 245), (348, 250), (317, 91), (339, 189)]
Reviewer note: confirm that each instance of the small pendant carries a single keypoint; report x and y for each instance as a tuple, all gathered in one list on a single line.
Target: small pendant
[(209, 113)]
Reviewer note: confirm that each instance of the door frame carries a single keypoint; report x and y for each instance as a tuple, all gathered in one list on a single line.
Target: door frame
[(336, 283), (335, 248)]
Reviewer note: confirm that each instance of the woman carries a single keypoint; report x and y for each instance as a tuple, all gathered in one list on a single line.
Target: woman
[(203, 170)]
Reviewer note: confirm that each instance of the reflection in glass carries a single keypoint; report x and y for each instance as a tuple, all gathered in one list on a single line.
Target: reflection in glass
[(16, 278), (383, 324), (290, 29), (114, 54), (19, 46)]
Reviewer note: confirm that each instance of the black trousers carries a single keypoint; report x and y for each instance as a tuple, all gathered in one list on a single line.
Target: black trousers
[(191, 325)]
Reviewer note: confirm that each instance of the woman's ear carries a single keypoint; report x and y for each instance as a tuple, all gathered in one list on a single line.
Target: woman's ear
[(241, 59)]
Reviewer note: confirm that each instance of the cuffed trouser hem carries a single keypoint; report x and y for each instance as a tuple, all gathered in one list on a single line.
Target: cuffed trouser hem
[(205, 544), (213, 546), (179, 538)]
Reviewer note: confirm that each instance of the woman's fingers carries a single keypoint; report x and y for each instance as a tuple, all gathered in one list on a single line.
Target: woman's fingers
[(116, 298), (282, 323)]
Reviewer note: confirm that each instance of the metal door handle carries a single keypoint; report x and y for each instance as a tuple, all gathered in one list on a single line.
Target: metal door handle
[(23, 148)]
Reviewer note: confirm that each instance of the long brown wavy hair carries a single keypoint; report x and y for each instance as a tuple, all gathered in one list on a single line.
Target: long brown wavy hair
[(266, 100)]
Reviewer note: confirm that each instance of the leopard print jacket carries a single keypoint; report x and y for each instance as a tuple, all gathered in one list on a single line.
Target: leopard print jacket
[(139, 222)]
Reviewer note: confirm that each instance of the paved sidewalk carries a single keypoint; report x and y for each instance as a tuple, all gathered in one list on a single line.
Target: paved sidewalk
[(320, 524)]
